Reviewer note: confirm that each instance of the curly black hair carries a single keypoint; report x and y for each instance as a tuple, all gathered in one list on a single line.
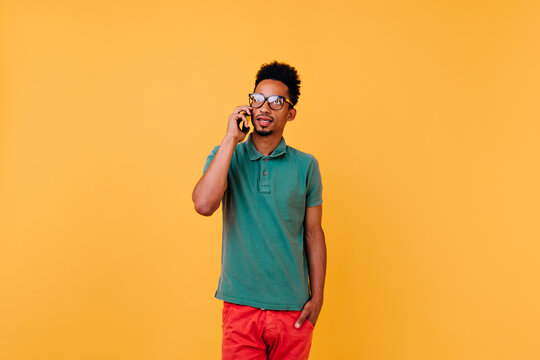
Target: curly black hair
[(281, 72)]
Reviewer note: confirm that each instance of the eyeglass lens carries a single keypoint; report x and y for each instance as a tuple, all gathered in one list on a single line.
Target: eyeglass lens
[(274, 101)]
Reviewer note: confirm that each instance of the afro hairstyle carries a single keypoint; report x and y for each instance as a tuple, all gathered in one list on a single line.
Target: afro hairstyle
[(281, 72)]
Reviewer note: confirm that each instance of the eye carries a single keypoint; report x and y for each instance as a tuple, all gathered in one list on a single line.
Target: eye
[(276, 100), (257, 97)]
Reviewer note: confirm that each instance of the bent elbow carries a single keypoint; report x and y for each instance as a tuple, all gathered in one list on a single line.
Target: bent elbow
[(204, 209)]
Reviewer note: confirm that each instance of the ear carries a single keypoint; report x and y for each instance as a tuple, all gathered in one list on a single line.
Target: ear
[(291, 115)]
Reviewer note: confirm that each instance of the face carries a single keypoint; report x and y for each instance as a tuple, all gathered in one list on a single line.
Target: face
[(267, 121)]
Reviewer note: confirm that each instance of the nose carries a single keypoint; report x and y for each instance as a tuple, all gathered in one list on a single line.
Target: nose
[(265, 107)]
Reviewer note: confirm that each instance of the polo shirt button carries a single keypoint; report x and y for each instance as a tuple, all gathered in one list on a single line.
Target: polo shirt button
[(265, 159), (264, 173)]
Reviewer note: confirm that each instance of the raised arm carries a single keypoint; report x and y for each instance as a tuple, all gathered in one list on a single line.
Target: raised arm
[(209, 190)]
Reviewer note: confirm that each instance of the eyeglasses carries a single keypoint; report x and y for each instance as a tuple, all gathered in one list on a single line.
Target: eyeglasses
[(275, 102)]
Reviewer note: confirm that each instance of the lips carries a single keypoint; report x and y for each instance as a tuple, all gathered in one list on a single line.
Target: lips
[(264, 120)]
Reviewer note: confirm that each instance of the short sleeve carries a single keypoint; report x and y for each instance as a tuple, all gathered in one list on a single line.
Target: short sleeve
[(314, 185), (210, 158)]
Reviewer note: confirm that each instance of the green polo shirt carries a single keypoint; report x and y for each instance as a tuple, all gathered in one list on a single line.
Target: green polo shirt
[(263, 261)]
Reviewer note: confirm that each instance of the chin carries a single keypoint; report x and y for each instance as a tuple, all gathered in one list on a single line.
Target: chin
[(263, 132)]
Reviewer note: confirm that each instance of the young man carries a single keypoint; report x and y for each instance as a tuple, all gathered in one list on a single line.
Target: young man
[(273, 251)]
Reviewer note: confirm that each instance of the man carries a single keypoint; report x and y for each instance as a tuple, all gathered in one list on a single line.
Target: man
[(273, 251)]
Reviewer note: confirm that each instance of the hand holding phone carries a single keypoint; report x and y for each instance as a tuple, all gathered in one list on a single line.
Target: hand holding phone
[(243, 128)]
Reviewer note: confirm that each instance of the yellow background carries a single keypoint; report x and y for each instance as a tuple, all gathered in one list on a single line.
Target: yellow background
[(424, 116)]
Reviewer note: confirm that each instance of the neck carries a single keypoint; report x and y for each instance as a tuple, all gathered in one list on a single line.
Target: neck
[(266, 144)]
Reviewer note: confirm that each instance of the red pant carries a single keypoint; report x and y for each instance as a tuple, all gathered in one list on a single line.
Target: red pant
[(252, 334)]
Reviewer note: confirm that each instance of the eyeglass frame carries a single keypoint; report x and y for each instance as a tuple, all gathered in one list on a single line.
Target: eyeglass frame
[(266, 98)]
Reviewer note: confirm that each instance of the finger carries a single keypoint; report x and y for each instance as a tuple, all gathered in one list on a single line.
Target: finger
[(244, 108), (244, 117), (301, 318), (244, 120)]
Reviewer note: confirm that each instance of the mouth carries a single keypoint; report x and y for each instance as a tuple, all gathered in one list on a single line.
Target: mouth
[(264, 120)]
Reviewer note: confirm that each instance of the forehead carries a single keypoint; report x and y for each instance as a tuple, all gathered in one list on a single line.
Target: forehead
[(272, 87)]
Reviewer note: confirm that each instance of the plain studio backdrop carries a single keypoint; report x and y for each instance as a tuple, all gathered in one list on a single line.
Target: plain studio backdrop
[(424, 116)]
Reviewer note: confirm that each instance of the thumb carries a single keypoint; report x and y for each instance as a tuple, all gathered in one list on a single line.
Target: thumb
[(301, 318)]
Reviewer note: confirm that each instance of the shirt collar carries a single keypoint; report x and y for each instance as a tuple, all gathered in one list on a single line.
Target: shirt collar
[(255, 155)]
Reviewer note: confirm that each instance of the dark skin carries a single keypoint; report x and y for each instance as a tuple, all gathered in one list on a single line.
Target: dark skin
[(268, 126)]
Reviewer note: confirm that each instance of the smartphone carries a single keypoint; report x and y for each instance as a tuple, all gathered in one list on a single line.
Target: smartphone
[(241, 125)]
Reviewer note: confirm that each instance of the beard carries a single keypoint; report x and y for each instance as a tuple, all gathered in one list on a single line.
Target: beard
[(263, 132)]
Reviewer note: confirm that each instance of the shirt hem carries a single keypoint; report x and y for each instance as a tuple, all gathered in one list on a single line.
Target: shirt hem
[(315, 203), (290, 307)]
